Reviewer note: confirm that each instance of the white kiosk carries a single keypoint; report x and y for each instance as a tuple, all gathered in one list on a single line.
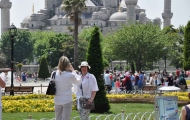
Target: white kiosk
[(166, 107)]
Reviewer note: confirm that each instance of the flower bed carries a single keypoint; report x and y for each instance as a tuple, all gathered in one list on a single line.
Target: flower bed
[(45, 103)]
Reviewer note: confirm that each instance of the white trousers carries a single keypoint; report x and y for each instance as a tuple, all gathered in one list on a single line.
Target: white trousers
[(63, 112)]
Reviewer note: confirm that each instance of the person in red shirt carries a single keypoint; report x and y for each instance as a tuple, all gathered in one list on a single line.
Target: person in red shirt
[(118, 85), (177, 72)]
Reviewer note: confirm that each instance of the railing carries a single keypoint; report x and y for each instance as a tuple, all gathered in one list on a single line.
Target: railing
[(124, 116)]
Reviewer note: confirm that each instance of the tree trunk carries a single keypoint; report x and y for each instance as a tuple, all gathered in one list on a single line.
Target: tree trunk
[(138, 66), (76, 41)]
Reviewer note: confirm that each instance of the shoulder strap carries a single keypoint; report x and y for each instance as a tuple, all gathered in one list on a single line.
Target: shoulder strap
[(53, 75)]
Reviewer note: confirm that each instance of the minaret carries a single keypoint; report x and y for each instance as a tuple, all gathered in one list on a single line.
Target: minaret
[(167, 15), (142, 18), (5, 6), (131, 15), (33, 9)]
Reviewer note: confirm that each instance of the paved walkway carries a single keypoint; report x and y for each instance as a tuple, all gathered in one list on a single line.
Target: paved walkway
[(39, 86)]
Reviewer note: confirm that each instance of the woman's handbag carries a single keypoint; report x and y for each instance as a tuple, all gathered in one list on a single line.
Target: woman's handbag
[(51, 87), (85, 105)]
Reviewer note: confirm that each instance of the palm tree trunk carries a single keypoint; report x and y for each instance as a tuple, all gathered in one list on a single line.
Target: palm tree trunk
[(76, 58)]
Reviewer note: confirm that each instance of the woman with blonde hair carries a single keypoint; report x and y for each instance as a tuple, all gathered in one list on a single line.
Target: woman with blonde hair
[(65, 77)]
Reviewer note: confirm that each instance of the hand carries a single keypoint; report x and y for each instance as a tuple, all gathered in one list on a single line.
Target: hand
[(90, 101)]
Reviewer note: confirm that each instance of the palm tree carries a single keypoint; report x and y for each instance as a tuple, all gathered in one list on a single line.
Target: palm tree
[(74, 9)]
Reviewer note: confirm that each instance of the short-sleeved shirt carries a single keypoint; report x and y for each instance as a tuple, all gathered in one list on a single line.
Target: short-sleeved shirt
[(107, 79), (117, 84), (89, 84), (141, 78)]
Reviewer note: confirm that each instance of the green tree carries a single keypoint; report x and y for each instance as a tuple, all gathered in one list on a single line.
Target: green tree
[(19, 65), (23, 46), (84, 38), (94, 58), (74, 9), (136, 42), (187, 47), (174, 43), (52, 46), (43, 69)]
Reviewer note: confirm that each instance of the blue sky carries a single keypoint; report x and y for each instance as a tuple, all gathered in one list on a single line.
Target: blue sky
[(154, 8)]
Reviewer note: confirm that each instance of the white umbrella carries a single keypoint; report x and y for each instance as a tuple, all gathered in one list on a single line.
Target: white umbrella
[(169, 88)]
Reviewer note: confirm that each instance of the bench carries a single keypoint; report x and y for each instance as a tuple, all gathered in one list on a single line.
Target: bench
[(149, 89), (19, 89)]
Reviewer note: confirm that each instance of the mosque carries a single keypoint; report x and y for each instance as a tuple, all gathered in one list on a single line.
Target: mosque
[(109, 15), (103, 13)]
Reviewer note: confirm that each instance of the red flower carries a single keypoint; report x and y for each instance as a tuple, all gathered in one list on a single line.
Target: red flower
[(87, 77)]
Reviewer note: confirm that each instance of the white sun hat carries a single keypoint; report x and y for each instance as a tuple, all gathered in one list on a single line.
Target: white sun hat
[(84, 63)]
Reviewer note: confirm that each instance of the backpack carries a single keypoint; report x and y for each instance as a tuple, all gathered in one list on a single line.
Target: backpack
[(181, 81)]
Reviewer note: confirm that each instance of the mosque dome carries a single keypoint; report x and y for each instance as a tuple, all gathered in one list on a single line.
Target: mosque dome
[(118, 16), (142, 13), (157, 18), (26, 19)]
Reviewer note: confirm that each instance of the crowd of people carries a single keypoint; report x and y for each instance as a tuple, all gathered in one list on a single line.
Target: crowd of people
[(130, 81)]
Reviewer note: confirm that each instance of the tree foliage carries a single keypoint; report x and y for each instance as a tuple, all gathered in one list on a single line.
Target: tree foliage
[(94, 58), (43, 69), (52, 46), (136, 42), (84, 38), (187, 47), (23, 46), (173, 44)]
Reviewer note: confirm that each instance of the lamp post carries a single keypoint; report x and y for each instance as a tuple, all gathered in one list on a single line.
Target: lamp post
[(110, 66), (12, 33)]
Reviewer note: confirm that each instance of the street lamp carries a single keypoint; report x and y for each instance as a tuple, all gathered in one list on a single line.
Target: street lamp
[(111, 64), (12, 33)]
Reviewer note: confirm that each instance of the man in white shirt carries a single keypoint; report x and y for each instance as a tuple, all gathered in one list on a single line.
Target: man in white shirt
[(107, 81)]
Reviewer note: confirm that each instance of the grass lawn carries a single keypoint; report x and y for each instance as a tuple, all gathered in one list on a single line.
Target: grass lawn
[(115, 109)]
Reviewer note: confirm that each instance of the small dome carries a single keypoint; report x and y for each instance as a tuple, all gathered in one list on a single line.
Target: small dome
[(157, 18), (26, 19), (142, 13), (118, 16)]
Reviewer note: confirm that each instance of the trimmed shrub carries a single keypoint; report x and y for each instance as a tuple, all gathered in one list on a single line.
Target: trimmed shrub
[(95, 60)]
